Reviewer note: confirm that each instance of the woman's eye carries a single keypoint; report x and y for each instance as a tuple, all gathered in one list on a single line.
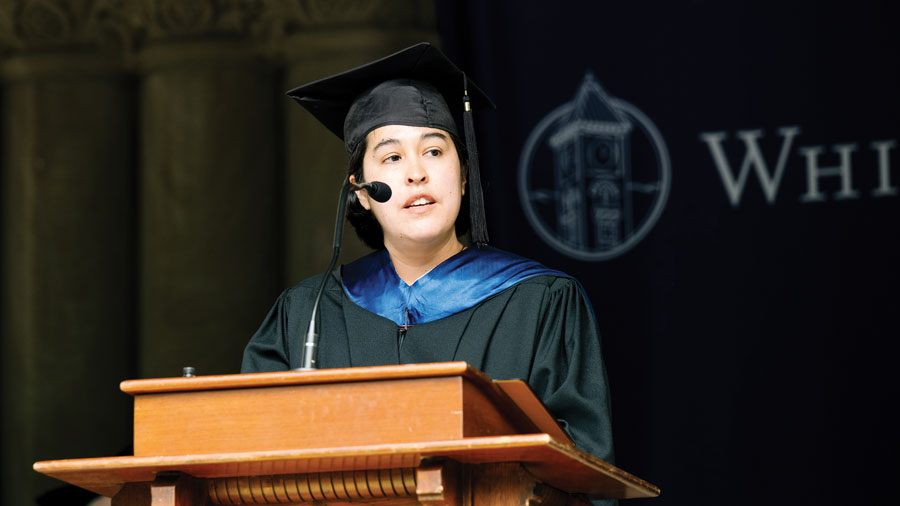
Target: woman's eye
[(433, 152), (392, 159)]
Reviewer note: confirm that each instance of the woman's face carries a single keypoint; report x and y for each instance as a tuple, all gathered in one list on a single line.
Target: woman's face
[(422, 167)]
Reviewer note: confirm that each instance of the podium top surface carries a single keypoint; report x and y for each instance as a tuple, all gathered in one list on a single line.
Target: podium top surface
[(320, 376)]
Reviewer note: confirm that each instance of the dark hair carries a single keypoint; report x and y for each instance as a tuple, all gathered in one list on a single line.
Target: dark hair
[(367, 227)]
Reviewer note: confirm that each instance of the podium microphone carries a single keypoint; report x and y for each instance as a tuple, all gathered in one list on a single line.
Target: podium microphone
[(380, 192)]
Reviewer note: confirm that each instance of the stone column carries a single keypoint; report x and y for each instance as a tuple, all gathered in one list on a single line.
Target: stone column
[(67, 245), (327, 37), (210, 264)]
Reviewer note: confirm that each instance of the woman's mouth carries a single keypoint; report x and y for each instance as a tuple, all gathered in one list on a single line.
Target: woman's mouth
[(419, 202)]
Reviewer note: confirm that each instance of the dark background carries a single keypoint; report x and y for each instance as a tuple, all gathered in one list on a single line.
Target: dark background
[(158, 191), (750, 348)]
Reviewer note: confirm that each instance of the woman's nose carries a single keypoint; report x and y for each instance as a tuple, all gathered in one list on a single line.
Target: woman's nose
[(416, 173)]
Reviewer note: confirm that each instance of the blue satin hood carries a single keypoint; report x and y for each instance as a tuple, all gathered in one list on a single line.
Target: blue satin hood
[(458, 283)]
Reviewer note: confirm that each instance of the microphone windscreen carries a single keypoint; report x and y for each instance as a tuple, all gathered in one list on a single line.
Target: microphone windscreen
[(379, 191)]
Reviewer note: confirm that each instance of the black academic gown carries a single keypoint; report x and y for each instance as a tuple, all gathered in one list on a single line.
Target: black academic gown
[(540, 330)]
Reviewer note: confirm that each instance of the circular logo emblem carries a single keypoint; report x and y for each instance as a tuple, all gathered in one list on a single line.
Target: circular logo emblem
[(594, 175)]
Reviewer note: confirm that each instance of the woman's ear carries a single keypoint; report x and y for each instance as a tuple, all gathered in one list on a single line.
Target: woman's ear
[(362, 196)]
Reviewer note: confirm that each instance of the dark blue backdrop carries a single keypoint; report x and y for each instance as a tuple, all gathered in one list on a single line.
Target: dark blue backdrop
[(750, 338)]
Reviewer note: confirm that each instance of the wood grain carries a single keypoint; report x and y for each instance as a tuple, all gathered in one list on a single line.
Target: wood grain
[(342, 407), (299, 416)]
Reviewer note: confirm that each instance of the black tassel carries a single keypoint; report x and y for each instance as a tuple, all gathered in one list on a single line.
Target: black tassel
[(478, 225)]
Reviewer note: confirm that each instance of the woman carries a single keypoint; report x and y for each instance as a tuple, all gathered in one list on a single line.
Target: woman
[(423, 296)]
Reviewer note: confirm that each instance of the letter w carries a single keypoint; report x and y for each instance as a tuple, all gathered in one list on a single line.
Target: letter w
[(753, 157)]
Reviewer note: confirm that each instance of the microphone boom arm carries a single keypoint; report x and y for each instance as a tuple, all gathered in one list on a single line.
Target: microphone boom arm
[(310, 346)]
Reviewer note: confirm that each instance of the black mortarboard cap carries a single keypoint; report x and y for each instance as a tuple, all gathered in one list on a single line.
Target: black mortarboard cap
[(418, 86)]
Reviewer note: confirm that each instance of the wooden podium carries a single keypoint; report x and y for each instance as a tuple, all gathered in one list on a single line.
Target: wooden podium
[(434, 434)]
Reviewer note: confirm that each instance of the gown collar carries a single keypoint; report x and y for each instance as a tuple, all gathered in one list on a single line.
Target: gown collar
[(458, 283)]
